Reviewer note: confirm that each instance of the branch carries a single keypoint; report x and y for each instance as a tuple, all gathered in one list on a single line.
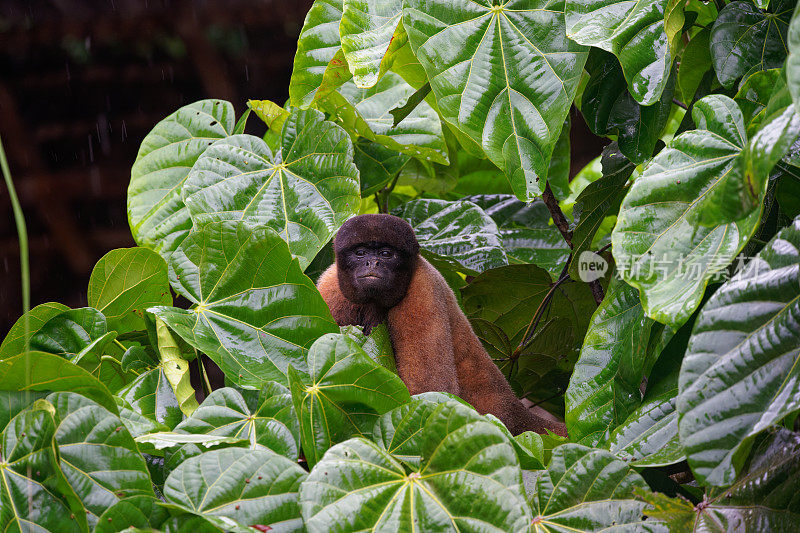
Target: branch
[(559, 219)]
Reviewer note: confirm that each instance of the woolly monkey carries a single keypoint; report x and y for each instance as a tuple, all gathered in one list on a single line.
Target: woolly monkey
[(379, 276)]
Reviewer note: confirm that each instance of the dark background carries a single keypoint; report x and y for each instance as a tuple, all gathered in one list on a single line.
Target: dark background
[(83, 81)]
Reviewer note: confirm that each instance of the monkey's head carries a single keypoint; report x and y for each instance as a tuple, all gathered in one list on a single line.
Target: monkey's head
[(375, 259)]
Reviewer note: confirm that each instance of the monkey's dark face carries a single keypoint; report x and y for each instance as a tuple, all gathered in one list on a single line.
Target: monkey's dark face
[(374, 272)]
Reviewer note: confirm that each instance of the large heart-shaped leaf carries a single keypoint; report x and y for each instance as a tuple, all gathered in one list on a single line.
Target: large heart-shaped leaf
[(345, 393), (456, 235), (45, 372), (15, 340), (634, 31), (319, 63), (255, 311), (272, 425), (451, 491), (304, 192), (745, 39), (124, 283), (695, 206), (365, 112), (250, 487), (604, 387), (156, 213), (503, 74), (33, 493), (740, 374), (588, 490), (367, 32), (763, 498), (97, 455)]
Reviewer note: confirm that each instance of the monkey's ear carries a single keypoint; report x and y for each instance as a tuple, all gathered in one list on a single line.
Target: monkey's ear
[(387, 229)]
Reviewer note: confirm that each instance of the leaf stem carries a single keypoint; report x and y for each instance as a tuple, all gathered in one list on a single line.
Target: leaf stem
[(22, 233), (202, 367)]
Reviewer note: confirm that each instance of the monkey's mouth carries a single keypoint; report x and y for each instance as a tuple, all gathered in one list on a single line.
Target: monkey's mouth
[(369, 276)]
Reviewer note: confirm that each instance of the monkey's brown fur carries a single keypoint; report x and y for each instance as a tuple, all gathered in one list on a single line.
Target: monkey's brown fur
[(434, 345)]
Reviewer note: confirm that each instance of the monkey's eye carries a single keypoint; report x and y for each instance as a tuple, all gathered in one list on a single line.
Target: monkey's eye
[(386, 253), (360, 252)]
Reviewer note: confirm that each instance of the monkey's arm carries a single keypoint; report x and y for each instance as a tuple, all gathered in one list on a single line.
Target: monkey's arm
[(419, 327)]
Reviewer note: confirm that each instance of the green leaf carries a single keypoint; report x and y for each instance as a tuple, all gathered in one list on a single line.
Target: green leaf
[(745, 39), (793, 61), (137, 423), (456, 235), (504, 75), (671, 235), (272, 425), (97, 455), (33, 493), (740, 372), (634, 31), (377, 165), (156, 213), (151, 396), (695, 62), (14, 342), (176, 368), (764, 498), (304, 192), (588, 490), (345, 393), (52, 373), (273, 115), (610, 109), (377, 344), (250, 487), (80, 335), (360, 486), (365, 112), (124, 283), (367, 30), (255, 311), (600, 199), (528, 236), (754, 95), (319, 63), (137, 511), (604, 387), (399, 431)]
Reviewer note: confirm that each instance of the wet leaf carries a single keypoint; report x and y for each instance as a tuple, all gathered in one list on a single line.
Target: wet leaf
[(158, 218), (740, 373), (457, 235), (358, 485), (255, 312), (344, 395), (124, 283), (14, 342), (745, 39), (634, 32), (98, 456), (368, 30), (246, 486), (505, 75), (588, 490), (304, 192)]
